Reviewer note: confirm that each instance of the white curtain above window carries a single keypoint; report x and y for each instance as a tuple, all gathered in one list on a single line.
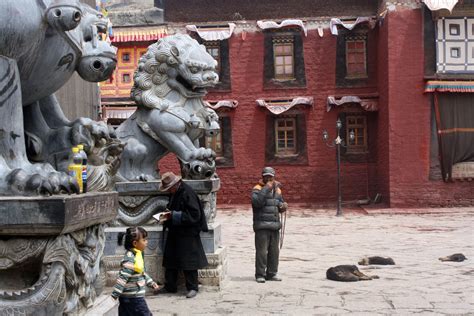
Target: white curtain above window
[(350, 25), (264, 25), (208, 33), (370, 105), (435, 5), (280, 106), (231, 104)]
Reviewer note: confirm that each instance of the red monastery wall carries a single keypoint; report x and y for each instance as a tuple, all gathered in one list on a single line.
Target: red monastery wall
[(409, 125)]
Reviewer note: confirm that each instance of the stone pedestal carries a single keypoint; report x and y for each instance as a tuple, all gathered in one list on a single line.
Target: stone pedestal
[(50, 252), (139, 201), (211, 240), (55, 215)]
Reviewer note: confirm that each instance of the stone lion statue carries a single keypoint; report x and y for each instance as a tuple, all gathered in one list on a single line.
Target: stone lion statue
[(42, 43), (169, 84)]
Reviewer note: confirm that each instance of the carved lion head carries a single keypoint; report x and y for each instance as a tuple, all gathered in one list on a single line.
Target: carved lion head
[(175, 63)]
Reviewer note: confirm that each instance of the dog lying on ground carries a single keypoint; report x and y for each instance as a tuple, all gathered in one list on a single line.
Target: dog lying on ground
[(347, 273), (457, 257), (376, 260)]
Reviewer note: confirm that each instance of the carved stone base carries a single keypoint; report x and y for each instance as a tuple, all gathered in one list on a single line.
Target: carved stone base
[(57, 271), (59, 214), (216, 271), (216, 255)]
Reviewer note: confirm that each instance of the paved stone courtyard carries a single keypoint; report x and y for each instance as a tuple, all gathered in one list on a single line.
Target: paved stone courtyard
[(316, 239)]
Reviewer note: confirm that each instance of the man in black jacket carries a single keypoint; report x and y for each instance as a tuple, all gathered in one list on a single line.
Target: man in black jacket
[(267, 204), (183, 249)]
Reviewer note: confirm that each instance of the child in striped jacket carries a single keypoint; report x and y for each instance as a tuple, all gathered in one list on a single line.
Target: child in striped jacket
[(132, 278)]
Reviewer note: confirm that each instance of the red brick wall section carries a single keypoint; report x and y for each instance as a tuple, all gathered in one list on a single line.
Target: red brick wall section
[(409, 122), (380, 175), (400, 172), (315, 182)]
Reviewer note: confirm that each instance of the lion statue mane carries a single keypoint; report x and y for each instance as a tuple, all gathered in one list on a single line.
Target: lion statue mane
[(169, 85)]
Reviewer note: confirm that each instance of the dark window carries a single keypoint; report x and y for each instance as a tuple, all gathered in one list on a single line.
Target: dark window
[(215, 143), (221, 143), (351, 58), (286, 139), (356, 59), (220, 51), (454, 29), (214, 49), (363, 124), (125, 57), (358, 125), (126, 78), (284, 59), (455, 52), (285, 136)]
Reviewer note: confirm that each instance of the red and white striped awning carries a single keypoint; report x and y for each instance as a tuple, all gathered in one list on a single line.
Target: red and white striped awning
[(449, 86), (138, 34)]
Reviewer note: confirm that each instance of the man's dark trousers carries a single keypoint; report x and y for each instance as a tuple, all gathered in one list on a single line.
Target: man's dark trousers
[(267, 252), (190, 276)]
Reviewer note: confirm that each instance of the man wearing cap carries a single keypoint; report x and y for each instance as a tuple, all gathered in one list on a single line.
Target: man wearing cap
[(183, 249), (267, 203)]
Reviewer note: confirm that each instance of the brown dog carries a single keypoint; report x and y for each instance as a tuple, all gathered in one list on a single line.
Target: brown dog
[(347, 273)]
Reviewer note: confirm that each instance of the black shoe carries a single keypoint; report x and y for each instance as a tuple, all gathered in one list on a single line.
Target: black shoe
[(191, 294), (164, 290)]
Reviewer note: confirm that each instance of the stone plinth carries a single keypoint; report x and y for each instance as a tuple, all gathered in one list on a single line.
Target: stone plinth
[(151, 187), (50, 258), (55, 215), (138, 202), (212, 244)]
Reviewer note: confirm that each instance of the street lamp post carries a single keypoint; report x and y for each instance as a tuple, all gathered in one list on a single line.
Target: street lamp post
[(338, 142)]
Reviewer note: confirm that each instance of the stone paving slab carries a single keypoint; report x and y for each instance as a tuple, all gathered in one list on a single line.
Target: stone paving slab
[(316, 239)]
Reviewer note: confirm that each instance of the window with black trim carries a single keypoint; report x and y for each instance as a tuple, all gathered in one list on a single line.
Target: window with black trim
[(358, 125), (126, 78), (215, 143), (284, 59), (286, 138), (214, 49), (364, 126), (221, 143), (220, 51), (351, 57), (126, 57), (356, 57)]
